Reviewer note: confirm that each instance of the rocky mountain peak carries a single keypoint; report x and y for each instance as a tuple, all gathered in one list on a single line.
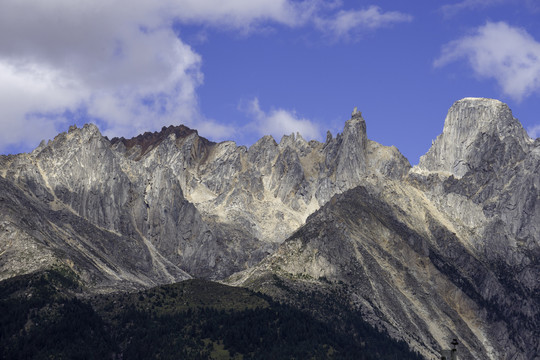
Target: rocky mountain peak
[(144, 143), (65, 144), (448, 252), (472, 126), (352, 152), (291, 140), (470, 116), (355, 130)]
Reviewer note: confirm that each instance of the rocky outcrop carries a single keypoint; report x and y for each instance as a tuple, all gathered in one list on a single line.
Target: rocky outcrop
[(81, 174), (451, 251), (34, 237), (496, 179), (269, 189), (478, 133), (495, 194), (209, 209), (447, 249), (253, 198)]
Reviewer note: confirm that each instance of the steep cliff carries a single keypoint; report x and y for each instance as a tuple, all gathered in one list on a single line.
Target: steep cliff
[(451, 251), (208, 209), (36, 236), (447, 249)]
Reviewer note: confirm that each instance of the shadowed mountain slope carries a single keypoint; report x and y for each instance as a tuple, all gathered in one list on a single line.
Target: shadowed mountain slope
[(193, 206), (447, 249), (452, 251)]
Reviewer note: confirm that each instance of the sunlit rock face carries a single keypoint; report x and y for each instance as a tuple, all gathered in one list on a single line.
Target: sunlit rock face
[(447, 249), (495, 166), (477, 133), (203, 208), (451, 251)]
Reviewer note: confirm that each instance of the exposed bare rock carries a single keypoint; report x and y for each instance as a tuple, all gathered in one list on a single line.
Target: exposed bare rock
[(496, 174), (80, 174), (452, 251), (474, 128), (35, 237), (140, 145), (252, 199), (447, 249), (209, 209)]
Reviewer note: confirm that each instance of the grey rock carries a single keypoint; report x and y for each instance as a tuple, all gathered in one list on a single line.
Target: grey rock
[(34, 237), (449, 251), (209, 209), (79, 173), (471, 124)]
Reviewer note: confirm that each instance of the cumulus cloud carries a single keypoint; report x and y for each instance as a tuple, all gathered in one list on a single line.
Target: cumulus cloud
[(120, 64), (453, 9), (244, 13), (507, 54), (534, 131), (450, 10), (279, 122), (31, 106), (347, 23)]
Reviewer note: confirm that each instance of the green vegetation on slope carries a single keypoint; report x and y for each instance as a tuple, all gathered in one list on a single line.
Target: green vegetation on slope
[(41, 318)]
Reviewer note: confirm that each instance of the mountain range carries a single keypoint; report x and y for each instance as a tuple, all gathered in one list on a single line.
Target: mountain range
[(446, 249)]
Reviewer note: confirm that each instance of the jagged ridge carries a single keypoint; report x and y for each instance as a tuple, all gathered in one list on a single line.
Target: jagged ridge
[(454, 241), (209, 209), (452, 251)]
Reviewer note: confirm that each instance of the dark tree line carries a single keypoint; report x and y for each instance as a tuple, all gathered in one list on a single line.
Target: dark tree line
[(39, 321)]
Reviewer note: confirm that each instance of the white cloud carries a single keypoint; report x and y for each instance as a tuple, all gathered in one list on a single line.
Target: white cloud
[(243, 13), (534, 131), (117, 62), (507, 54), (23, 95), (450, 10), (453, 9), (279, 122), (348, 23), (121, 61)]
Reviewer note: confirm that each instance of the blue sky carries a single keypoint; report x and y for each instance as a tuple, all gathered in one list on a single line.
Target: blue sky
[(240, 69)]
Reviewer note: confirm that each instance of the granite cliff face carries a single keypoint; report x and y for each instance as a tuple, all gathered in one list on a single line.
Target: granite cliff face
[(447, 249), (495, 166), (205, 209), (451, 251)]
